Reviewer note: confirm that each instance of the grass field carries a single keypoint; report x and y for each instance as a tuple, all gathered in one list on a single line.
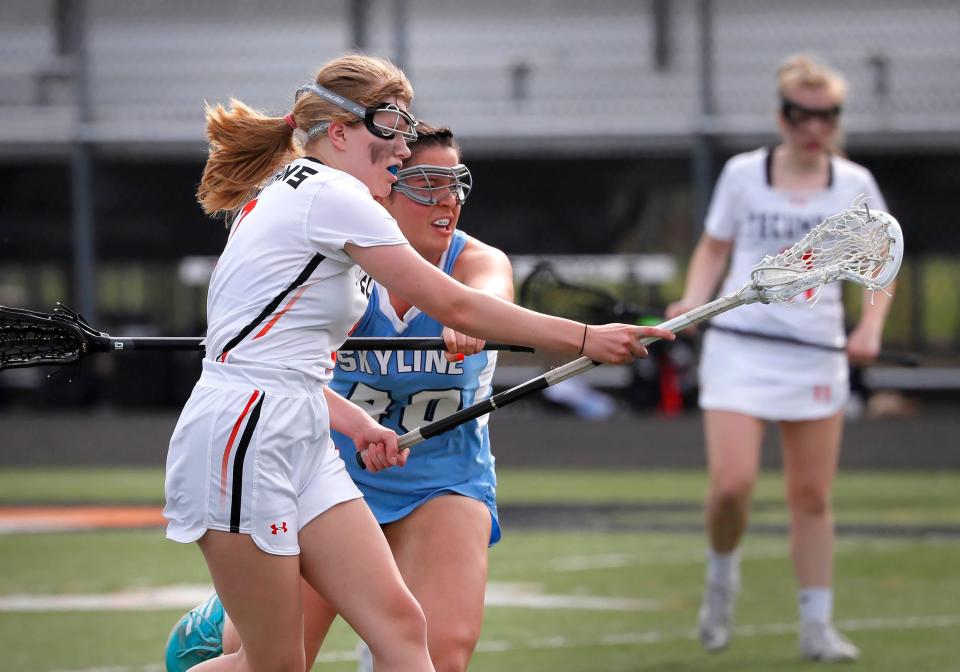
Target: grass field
[(559, 600)]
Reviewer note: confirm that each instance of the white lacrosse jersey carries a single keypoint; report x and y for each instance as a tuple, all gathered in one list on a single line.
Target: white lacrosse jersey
[(761, 220), (285, 294)]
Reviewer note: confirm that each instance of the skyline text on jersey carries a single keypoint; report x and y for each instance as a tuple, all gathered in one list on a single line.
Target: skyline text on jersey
[(407, 361)]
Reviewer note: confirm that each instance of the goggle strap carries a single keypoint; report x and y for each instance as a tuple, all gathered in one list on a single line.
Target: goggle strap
[(318, 129), (335, 98), (357, 110)]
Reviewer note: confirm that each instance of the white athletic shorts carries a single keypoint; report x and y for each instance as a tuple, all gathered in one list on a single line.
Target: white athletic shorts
[(771, 380), (252, 454)]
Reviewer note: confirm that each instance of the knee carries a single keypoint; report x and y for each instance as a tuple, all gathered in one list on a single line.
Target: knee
[(451, 647), (281, 661), (809, 500), (406, 632), (292, 666), (408, 619), (732, 494), (292, 661)]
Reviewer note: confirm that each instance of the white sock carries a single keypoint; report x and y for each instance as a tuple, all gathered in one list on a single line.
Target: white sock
[(816, 604), (723, 568)]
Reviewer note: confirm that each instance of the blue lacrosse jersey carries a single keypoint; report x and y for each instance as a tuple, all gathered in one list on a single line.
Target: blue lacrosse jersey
[(407, 390)]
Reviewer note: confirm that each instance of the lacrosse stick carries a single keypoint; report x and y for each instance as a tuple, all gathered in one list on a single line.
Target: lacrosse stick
[(544, 284), (858, 244), (30, 338)]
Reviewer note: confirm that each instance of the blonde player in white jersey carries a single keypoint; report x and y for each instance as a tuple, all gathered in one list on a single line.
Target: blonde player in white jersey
[(782, 363), (252, 474)]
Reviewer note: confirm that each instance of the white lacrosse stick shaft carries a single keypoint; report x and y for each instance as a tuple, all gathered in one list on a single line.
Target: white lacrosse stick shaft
[(746, 295), (869, 260)]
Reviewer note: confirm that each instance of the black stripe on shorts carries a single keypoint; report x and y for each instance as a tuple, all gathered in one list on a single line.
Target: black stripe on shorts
[(237, 484)]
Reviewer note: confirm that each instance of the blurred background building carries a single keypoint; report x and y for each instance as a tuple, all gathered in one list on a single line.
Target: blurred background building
[(591, 129)]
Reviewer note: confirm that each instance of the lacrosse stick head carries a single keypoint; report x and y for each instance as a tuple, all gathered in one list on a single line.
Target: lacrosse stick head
[(545, 290), (30, 338), (858, 244)]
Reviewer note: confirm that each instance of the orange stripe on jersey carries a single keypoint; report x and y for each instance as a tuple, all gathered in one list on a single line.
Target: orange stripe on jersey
[(233, 437), (269, 325), (349, 333), (246, 210), (272, 306)]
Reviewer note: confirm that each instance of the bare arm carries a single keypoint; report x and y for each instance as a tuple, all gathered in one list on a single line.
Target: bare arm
[(404, 272), (377, 443), (863, 344), (707, 265), (484, 268)]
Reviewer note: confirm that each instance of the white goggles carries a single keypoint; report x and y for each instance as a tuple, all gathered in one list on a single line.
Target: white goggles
[(428, 185), (384, 121)]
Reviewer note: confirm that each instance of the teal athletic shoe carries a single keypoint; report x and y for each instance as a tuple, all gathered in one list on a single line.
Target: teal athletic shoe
[(196, 637)]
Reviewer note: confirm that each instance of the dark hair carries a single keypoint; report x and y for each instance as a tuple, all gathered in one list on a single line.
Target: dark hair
[(430, 136)]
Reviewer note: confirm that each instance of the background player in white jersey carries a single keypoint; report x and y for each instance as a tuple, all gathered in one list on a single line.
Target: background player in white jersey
[(252, 474), (786, 363)]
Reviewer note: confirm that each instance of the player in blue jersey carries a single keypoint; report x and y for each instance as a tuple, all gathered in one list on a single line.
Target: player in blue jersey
[(439, 512)]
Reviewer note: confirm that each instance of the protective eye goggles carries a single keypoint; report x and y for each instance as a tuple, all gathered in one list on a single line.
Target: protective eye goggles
[(428, 185), (384, 121), (797, 114)]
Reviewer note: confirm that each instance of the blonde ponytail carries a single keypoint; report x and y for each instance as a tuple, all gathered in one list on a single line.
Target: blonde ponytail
[(246, 147), (805, 71)]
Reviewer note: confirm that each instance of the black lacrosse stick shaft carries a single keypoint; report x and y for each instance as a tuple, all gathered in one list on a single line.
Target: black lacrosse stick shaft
[(31, 338), (488, 405), (353, 343)]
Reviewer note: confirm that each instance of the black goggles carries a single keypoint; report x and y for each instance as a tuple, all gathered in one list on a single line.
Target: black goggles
[(796, 114), (384, 121), (428, 185)]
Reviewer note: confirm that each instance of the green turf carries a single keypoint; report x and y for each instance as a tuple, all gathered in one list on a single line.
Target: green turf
[(84, 562), (77, 485), (891, 589), (928, 492)]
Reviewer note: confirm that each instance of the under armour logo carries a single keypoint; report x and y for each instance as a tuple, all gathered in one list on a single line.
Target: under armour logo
[(275, 530)]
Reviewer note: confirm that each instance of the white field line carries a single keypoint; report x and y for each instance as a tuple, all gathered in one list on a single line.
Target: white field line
[(769, 629), (529, 595), (43, 527), (146, 599), (499, 594), (129, 668), (585, 563), (638, 638), (516, 595), (580, 563)]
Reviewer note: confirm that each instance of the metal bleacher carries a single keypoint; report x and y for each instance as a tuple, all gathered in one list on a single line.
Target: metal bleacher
[(502, 72)]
